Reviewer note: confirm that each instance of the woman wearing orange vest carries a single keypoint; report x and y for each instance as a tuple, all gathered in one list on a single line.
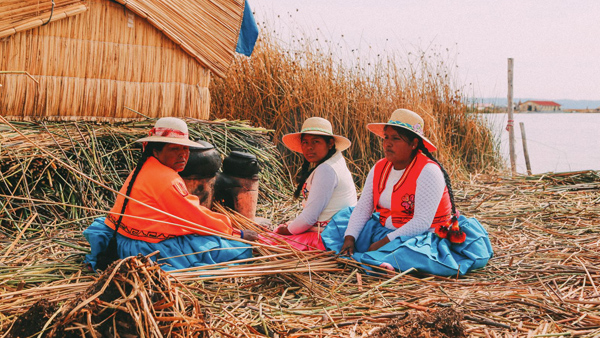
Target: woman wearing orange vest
[(160, 214), (324, 181), (406, 215)]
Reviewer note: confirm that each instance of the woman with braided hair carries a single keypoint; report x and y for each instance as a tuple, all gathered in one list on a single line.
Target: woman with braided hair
[(406, 216), (324, 182), (159, 214)]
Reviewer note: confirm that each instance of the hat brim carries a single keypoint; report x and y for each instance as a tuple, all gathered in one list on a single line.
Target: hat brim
[(293, 141), (172, 140), (378, 129)]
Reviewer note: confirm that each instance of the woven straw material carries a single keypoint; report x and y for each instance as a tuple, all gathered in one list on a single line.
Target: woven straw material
[(93, 68), (97, 64), (21, 15), (206, 29)]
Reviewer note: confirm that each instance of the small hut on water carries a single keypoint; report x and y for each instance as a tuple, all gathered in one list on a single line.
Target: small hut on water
[(107, 60)]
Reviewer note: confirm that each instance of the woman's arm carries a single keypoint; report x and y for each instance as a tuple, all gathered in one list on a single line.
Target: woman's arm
[(324, 182), (359, 217), (364, 208)]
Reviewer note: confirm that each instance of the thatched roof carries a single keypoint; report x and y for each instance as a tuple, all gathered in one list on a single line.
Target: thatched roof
[(205, 29), (21, 15)]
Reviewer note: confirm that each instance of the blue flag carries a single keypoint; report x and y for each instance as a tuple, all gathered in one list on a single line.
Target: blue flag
[(248, 32)]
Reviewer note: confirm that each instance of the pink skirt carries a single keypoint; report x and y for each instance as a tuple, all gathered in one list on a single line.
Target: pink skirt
[(310, 240)]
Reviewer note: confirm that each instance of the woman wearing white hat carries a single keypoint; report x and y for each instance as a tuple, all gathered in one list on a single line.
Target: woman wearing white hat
[(406, 216), (160, 214), (324, 182)]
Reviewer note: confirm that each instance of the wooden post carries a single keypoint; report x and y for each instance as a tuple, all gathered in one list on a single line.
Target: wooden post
[(511, 121), (525, 152)]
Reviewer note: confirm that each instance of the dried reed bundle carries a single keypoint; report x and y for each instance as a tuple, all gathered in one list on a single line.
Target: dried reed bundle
[(23, 15), (105, 153), (133, 297)]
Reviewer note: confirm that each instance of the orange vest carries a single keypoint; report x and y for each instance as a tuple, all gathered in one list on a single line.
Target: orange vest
[(162, 188), (403, 195)]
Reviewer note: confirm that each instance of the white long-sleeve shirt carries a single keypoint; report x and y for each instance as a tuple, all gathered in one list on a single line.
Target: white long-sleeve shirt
[(428, 194), (324, 182), (330, 188)]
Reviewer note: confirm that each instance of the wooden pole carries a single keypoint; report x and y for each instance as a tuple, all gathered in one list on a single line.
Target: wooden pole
[(525, 152), (509, 126)]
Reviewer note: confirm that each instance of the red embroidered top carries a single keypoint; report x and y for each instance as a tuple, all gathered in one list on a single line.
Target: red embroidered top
[(403, 195)]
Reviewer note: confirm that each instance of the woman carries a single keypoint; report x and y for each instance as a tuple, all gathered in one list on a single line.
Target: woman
[(161, 215), (324, 181), (415, 223)]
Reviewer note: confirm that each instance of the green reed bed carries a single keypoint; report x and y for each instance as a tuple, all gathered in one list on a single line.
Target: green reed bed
[(49, 183)]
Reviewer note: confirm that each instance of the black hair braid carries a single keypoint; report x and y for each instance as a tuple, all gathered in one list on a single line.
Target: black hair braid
[(305, 171), (301, 177), (111, 254), (145, 155), (425, 151)]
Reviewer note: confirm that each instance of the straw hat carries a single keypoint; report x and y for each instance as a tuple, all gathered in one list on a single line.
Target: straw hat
[(170, 130), (314, 126), (406, 119)]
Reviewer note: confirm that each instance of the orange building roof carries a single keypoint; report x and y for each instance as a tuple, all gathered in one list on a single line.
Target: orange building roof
[(546, 103)]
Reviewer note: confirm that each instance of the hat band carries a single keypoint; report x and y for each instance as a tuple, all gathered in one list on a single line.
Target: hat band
[(417, 128), (167, 132), (317, 129)]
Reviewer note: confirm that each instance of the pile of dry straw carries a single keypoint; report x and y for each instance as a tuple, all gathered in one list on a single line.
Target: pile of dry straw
[(542, 282)]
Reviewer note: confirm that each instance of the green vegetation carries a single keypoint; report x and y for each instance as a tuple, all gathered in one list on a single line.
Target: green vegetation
[(64, 173)]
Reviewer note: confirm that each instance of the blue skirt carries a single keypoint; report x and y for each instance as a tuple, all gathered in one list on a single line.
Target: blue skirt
[(426, 252), (175, 253)]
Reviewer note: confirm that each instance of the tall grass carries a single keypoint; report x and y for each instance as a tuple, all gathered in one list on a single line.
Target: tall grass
[(278, 87)]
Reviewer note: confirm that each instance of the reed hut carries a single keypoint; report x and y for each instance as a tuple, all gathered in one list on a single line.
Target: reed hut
[(109, 60)]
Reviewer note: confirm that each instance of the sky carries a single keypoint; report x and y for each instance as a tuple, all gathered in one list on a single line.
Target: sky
[(555, 44)]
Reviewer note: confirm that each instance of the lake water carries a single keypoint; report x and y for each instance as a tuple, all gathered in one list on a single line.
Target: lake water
[(556, 142)]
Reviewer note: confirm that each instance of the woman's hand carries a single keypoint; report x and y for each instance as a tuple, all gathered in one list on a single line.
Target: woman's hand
[(250, 235), (282, 229), (348, 246), (375, 246)]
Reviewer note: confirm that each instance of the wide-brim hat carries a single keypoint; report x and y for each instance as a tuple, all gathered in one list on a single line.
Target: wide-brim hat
[(171, 130), (406, 119), (315, 126)]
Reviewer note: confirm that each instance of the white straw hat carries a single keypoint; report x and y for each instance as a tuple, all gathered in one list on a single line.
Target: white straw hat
[(170, 130), (406, 119), (314, 126)]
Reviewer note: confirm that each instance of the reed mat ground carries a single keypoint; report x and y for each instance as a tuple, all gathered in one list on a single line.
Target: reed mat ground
[(542, 282)]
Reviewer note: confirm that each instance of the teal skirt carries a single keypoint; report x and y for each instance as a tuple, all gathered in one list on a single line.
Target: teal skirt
[(175, 253), (426, 252)]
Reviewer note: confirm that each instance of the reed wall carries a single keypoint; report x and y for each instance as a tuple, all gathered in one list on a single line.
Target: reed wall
[(21, 15), (96, 65)]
